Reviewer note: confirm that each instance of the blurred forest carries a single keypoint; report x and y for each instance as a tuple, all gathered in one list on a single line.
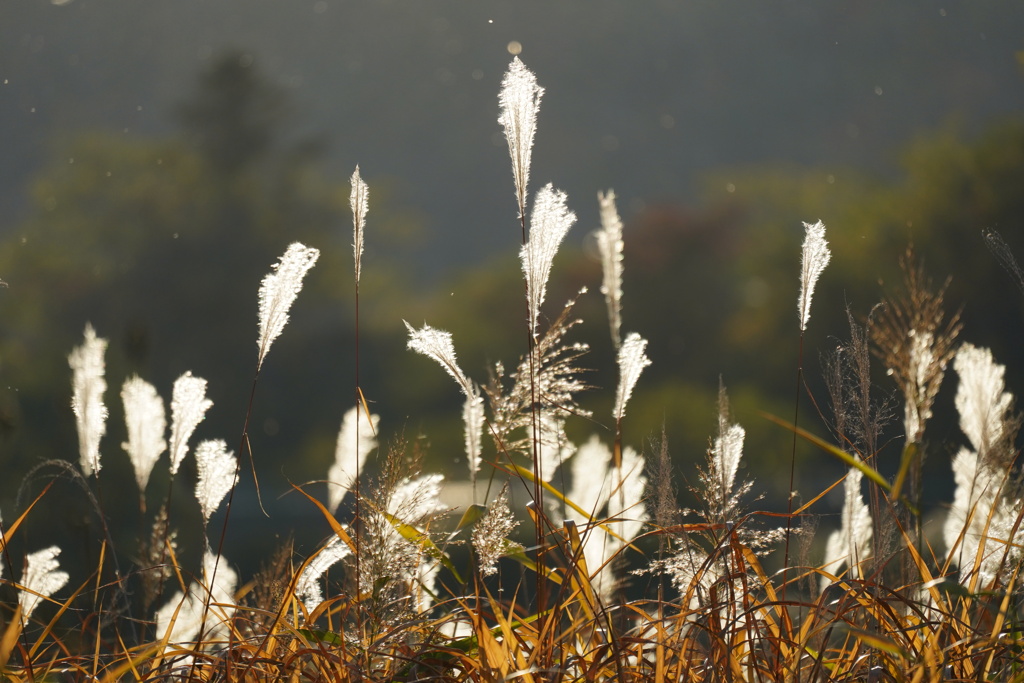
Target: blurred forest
[(160, 241)]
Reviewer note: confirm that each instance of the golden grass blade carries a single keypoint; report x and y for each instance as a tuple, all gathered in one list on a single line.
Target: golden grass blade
[(336, 527), (10, 637)]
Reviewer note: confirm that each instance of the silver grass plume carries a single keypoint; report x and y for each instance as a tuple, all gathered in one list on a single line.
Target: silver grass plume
[(632, 361), (490, 535), (551, 373), (625, 506), (519, 101), (356, 439), (549, 222), (146, 419), (188, 408), (609, 245), (850, 545), (553, 446), (180, 620), (981, 399), (980, 501), (590, 484), (815, 256), (473, 418), (358, 201), (389, 558), (218, 473), (278, 291), (626, 500), (41, 579), (307, 588), (88, 385), (915, 340), (437, 344)]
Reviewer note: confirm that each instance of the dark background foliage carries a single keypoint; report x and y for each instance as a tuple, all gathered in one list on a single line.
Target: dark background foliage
[(158, 158)]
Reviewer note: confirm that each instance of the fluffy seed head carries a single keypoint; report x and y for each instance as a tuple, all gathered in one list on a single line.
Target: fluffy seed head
[(815, 257), (356, 438), (609, 245), (188, 408), (41, 579), (358, 200), (88, 385), (632, 361), (549, 223), (981, 400), (146, 421), (437, 344), (473, 421), (490, 536), (519, 101), (218, 473), (278, 292)]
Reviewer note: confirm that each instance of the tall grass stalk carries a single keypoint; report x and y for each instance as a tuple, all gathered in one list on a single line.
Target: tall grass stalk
[(409, 608)]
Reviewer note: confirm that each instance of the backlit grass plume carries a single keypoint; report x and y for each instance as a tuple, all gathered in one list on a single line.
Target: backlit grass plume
[(549, 223), (356, 439), (41, 579), (915, 339), (88, 385), (188, 408), (979, 530), (146, 420), (610, 245), (519, 101), (815, 256), (278, 292), (218, 469), (632, 361), (359, 202), (206, 607), (850, 545), (473, 419), (437, 344)]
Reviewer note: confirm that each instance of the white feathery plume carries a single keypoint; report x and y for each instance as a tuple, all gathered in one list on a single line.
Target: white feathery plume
[(490, 535), (416, 498), (632, 361), (186, 612), (307, 588), (358, 200), (590, 486), (519, 101), (88, 385), (473, 420), (921, 364), (626, 500), (727, 453), (424, 586), (549, 222), (41, 579), (980, 475), (977, 493), (851, 543), (980, 398), (356, 438), (278, 291), (218, 473), (437, 344), (815, 257), (553, 447), (146, 420), (610, 245), (625, 505), (188, 408)]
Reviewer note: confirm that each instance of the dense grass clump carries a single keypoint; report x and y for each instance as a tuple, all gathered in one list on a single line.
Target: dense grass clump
[(407, 589)]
